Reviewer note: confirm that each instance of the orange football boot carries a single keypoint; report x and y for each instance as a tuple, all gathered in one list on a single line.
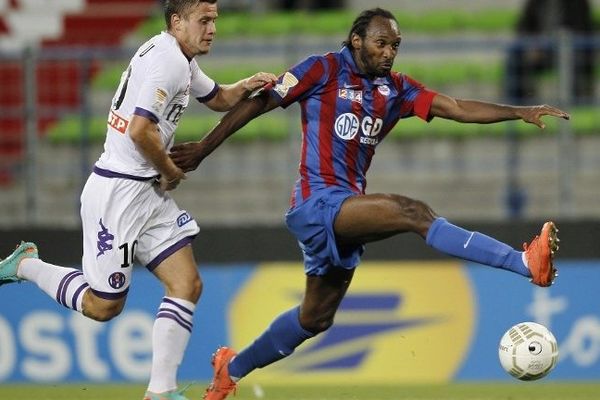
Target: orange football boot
[(222, 384), (540, 253)]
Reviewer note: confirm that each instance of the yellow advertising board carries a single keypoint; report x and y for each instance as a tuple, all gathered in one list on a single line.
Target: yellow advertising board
[(400, 322)]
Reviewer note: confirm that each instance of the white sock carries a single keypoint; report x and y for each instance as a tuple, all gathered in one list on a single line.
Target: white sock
[(65, 285), (170, 336)]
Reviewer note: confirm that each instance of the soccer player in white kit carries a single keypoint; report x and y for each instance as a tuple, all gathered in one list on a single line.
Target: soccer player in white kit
[(126, 211)]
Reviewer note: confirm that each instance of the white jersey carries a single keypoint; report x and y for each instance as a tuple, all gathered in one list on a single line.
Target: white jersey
[(157, 85)]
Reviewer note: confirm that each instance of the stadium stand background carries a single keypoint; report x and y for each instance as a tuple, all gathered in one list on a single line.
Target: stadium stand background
[(484, 173)]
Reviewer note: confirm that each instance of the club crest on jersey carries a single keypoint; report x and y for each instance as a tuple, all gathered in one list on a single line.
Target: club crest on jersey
[(117, 280), (384, 90), (350, 94), (287, 82)]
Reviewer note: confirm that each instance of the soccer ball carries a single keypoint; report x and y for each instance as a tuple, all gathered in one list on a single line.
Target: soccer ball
[(528, 351)]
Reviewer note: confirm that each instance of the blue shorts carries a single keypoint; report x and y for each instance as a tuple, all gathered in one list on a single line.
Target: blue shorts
[(312, 224)]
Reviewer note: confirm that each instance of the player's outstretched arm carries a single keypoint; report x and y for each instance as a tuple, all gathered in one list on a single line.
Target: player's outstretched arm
[(188, 156), (474, 111), (229, 95)]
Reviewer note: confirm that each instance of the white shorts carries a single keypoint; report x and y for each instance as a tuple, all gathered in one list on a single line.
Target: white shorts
[(123, 221)]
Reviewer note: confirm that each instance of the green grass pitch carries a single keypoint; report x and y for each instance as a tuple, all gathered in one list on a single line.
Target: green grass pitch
[(463, 391)]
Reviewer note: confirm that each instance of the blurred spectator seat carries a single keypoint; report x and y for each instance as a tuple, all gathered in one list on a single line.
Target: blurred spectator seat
[(531, 56), (52, 24), (29, 21)]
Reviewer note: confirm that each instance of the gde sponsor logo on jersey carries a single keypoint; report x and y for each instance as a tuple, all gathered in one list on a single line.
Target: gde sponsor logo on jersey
[(347, 126), (371, 128)]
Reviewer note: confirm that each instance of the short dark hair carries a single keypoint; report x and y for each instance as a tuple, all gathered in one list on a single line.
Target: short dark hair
[(359, 26), (180, 7)]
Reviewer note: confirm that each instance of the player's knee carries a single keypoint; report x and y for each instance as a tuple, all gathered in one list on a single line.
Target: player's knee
[(104, 312), (416, 213), (188, 289), (99, 309), (316, 324), (195, 289), (323, 325), (413, 209), (107, 315)]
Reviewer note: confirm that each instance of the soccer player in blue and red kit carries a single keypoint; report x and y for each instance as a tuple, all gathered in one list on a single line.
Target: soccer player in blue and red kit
[(350, 100)]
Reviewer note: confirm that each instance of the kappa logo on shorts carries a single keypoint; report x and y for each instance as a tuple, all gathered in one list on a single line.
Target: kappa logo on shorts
[(183, 219), (104, 237), (117, 280)]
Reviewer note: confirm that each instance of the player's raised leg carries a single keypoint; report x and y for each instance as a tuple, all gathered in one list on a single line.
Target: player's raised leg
[(9, 266), (536, 262), (65, 285), (368, 218), (539, 254)]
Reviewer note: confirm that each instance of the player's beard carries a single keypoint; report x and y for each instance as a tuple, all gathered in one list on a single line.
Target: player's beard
[(372, 68)]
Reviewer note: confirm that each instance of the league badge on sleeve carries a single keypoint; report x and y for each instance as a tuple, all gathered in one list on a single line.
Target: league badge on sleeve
[(287, 82), (160, 98)]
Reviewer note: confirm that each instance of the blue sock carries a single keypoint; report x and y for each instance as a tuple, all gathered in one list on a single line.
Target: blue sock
[(278, 341), (474, 246)]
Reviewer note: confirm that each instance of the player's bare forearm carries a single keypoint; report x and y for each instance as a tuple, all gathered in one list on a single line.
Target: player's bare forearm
[(144, 134), (229, 95), (474, 111), (188, 156)]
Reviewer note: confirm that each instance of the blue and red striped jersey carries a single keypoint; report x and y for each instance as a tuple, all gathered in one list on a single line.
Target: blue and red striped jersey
[(345, 115)]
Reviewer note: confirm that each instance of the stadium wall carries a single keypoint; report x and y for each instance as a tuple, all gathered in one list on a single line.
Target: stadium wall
[(426, 318), (579, 239)]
